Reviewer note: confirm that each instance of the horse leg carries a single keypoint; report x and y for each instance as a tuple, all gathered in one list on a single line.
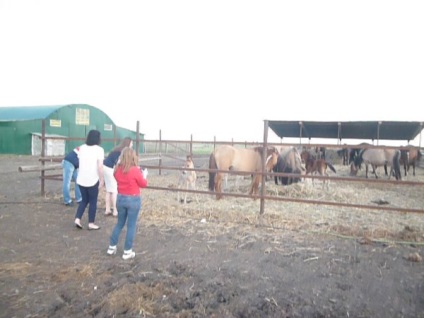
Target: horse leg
[(218, 185), (193, 187), (185, 194), (254, 187), (392, 172), (374, 168), (178, 194)]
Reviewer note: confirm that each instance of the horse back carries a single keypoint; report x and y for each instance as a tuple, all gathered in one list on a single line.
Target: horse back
[(247, 160), (379, 157)]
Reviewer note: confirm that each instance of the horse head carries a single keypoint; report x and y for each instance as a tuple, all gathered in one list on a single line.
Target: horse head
[(272, 160)]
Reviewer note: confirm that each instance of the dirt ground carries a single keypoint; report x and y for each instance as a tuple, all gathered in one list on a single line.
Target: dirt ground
[(213, 258)]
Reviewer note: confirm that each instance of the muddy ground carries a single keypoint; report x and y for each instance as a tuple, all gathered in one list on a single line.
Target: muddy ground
[(213, 259)]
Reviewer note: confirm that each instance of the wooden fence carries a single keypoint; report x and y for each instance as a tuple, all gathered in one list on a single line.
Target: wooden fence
[(155, 151)]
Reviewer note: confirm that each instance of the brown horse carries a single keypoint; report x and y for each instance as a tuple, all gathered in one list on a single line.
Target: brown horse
[(375, 158), (410, 157), (314, 166), (306, 155), (187, 179), (243, 160)]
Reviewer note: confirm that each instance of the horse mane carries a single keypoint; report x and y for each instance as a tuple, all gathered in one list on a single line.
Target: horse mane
[(359, 159), (419, 154), (396, 165), (269, 151)]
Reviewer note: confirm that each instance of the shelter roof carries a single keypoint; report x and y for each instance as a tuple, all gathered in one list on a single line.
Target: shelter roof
[(374, 130)]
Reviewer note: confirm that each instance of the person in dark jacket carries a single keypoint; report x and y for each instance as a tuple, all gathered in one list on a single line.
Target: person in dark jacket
[(69, 173), (110, 183)]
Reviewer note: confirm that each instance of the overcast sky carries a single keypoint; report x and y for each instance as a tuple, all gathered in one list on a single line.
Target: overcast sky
[(216, 68)]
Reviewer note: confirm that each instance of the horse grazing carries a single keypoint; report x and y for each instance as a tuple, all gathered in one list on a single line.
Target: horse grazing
[(376, 158), (314, 166), (348, 155), (244, 160), (289, 162), (410, 157), (187, 179)]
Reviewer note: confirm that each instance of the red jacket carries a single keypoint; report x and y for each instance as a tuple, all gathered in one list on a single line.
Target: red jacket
[(131, 182)]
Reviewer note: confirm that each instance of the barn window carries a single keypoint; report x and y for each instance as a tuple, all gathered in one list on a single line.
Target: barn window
[(55, 123), (82, 116), (107, 127)]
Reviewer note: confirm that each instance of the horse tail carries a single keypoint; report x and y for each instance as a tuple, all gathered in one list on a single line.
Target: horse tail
[(359, 158), (331, 167), (396, 165), (419, 154), (212, 165)]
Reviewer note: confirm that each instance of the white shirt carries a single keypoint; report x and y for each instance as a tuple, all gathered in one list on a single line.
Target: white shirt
[(89, 158)]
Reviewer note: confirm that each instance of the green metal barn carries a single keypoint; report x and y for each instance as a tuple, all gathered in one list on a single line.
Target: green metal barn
[(21, 128)]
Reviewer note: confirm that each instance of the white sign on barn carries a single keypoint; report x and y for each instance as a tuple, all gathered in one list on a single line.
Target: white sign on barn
[(54, 147)]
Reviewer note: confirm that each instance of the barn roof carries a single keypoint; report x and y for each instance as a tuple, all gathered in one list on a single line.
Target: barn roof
[(27, 112), (374, 130)]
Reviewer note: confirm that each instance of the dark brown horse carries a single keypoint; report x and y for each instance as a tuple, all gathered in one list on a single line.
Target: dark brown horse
[(306, 155), (319, 166), (410, 157), (289, 161), (243, 160)]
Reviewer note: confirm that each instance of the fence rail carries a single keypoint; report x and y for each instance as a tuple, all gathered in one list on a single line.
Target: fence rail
[(162, 151)]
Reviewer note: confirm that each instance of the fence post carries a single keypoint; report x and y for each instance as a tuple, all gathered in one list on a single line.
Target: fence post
[(43, 153), (137, 138), (191, 145), (160, 152), (264, 155)]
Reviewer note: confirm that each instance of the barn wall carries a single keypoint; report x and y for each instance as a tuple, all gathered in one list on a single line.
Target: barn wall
[(73, 121), (76, 121), (16, 136)]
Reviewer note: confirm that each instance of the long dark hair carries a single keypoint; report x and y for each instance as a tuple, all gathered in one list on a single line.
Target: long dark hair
[(93, 138), (124, 143)]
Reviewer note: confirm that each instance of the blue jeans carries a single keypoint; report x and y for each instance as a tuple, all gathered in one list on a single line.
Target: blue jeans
[(69, 173), (128, 209), (89, 197)]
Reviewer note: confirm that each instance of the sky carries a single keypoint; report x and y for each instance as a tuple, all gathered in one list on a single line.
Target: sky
[(216, 69)]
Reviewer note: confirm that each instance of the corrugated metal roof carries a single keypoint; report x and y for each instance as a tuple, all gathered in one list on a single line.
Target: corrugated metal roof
[(27, 112), (373, 130)]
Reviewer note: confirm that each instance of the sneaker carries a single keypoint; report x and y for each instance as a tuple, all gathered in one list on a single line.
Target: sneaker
[(70, 203), (128, 254), (111, 250)]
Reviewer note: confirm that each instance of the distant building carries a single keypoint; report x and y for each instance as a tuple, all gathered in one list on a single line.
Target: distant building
[(21, 128)]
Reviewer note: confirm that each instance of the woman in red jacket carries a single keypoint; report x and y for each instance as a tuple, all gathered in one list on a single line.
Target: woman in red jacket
[(130, 179)]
